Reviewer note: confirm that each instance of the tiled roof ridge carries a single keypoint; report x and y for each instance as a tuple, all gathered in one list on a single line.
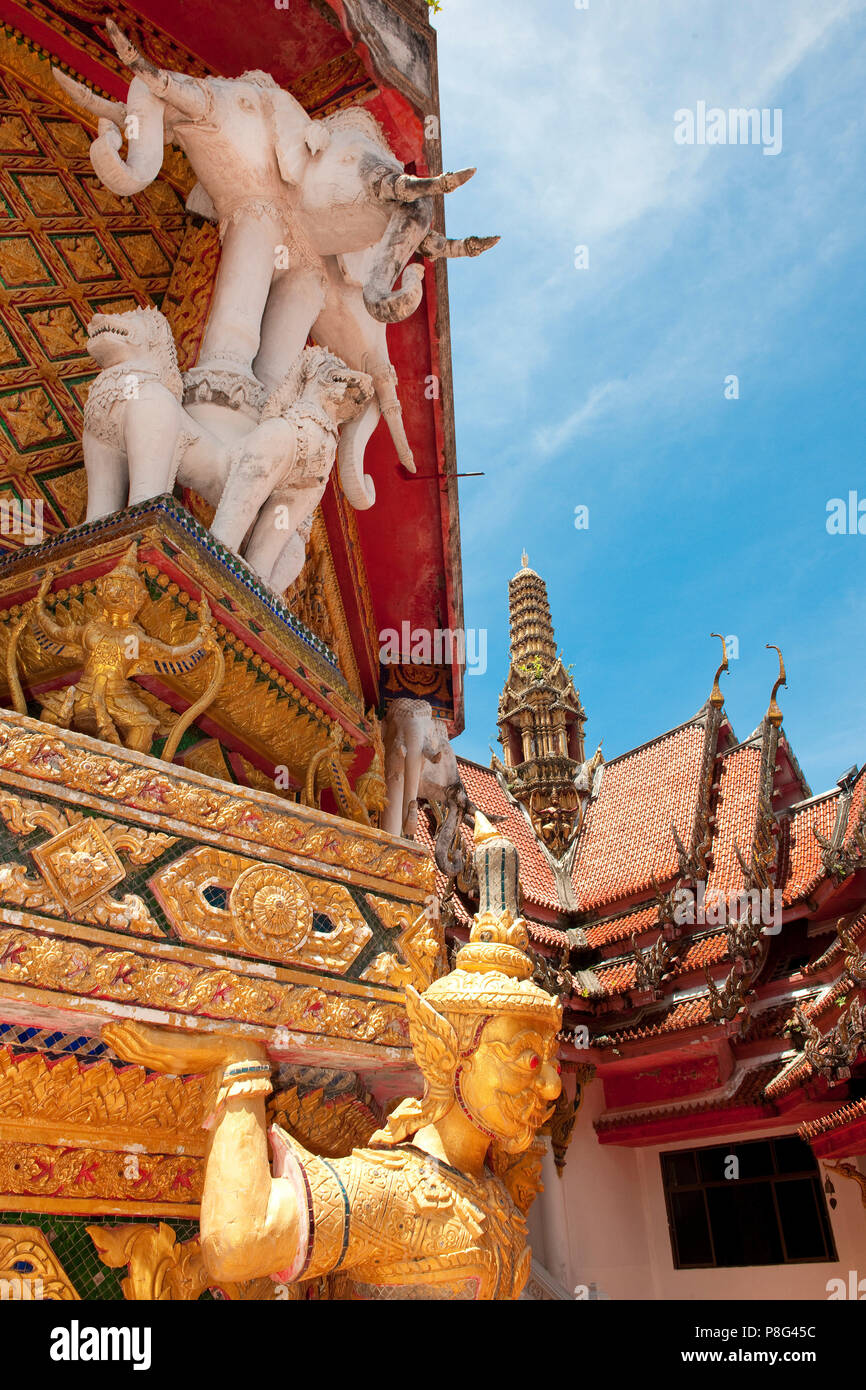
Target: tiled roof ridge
[(835, 1119), (470, 762), (797, 1070), (797, 806), (678, 968), (693, 939), (629, 1033), (853, 921), (697, 721), (753, 742)]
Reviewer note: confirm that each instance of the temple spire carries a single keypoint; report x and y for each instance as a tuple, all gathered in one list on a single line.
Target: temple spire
[(540, 718), (532, 638)]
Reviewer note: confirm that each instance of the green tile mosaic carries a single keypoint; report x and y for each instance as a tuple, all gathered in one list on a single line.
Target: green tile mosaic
[(68, 1238)]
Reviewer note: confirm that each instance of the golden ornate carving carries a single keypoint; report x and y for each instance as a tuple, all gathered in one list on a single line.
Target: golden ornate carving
[(111, 647), (372, 788), (63, 762), (421, 942), (51, 963), (42, 1171), (521, 1173), (270, 910), (100, 1104), (265, 707), (327, 768), (27, 1245), (331, 1128), (160, 1269), (79, 864)]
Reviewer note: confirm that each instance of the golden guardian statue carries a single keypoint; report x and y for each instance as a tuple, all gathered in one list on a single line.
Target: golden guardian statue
[(426, 1211), (111, 647)]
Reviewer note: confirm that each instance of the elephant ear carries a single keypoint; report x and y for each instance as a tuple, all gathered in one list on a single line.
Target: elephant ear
[(199, 203), (292, 129)]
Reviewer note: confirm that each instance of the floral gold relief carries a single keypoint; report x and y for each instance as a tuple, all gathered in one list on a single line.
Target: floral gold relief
[(65, 762)]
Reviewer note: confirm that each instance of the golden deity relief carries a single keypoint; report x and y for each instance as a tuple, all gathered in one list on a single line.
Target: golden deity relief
[(433, 1207), (112, 647)]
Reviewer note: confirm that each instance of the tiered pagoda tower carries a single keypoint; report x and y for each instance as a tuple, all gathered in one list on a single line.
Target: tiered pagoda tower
[(540, 718)]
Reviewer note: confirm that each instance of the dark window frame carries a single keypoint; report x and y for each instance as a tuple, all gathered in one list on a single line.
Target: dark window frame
[(773, 1179)]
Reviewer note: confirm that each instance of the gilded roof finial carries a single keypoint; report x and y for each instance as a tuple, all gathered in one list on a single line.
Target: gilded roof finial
[(717, 699), (483, 830), (524, 560), (774, 714)]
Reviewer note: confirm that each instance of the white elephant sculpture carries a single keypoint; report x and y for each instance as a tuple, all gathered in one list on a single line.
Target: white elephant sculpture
[(138, 439), (317, 219), (420, 765)]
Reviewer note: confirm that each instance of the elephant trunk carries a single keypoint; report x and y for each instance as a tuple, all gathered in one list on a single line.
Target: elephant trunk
[(406, 229), (145, 135)]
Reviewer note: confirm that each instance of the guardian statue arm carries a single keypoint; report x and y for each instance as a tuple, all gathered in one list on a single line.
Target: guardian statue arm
[(64, 639), (252, 1224)]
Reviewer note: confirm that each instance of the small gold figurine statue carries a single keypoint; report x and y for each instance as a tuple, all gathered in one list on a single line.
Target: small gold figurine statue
[(422, 1213), (112, 647)]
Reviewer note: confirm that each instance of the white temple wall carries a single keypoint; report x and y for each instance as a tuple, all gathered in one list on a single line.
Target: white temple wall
[(595, 1214), (604, 1224), (790, 1281)]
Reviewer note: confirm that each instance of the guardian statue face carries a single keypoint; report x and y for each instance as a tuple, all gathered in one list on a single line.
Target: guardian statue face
[(510, 1082)]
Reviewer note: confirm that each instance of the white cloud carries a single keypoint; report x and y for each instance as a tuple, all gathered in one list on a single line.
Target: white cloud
[(569, 116)]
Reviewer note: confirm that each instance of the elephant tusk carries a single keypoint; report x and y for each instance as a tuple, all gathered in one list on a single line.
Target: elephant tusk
[(385, 383), (408, 188), (101, 107), (435, 246), (127, 51), (183, 94)]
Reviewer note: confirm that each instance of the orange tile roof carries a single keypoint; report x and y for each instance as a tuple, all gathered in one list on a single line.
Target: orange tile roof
[(854, 922), (795, 1073), (536, 876), (626, 839), (800, 867), (609, 930), (739, 778), (858, 803)]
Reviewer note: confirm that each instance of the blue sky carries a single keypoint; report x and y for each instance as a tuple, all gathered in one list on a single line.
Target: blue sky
[(605, 387)]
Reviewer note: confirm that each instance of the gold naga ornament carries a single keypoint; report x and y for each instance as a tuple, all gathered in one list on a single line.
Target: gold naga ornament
[(433, 1207), (112, 647)]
